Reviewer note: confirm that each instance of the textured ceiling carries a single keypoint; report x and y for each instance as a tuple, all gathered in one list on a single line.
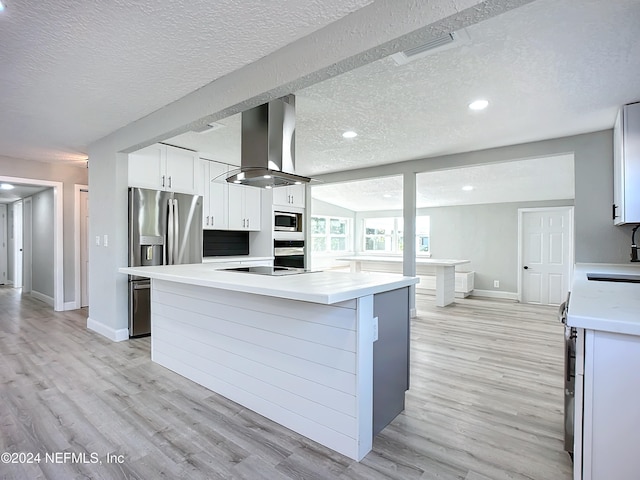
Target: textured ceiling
[(73, 71), (550, 68), (549, 178)]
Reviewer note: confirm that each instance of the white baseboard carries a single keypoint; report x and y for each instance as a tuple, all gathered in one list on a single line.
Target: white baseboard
[(106, 331), (495, 294), (70, 306), (41, 296)]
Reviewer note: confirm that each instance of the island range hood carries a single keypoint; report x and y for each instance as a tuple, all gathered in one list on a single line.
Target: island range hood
[(268, 146)]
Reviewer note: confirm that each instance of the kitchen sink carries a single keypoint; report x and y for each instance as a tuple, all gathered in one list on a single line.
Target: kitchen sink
[(614, 277)]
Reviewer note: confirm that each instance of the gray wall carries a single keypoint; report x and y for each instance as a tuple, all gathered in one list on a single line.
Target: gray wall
[(42, 244), (485, 234), (68, 175), (596, 238)]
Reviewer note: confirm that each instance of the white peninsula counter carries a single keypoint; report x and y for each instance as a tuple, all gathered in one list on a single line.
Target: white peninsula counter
[(325, 354), (606, 314), (445, 272)]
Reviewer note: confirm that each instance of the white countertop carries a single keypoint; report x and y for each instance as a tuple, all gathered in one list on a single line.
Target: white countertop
[(607, 306), (437, 262), (237, 258), (316, 287)]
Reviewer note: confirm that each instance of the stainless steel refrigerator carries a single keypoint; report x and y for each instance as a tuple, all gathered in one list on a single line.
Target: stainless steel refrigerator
[(165, 228)]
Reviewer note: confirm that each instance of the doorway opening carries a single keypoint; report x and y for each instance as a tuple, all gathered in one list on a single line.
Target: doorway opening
[(55, 236), (81, 229)]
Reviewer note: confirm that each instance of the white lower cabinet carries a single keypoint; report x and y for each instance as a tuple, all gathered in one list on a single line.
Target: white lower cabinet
[(610, 420), (244, 208)]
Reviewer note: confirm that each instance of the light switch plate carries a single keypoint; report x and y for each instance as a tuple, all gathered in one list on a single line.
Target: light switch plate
[(375, 328), (106, 240), (97, 240)]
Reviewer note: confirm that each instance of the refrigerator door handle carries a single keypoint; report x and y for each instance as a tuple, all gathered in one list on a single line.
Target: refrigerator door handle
[(176, 232), (170, 234)]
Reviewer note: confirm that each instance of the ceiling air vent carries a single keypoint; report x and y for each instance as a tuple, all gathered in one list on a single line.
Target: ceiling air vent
[(438, 44), (209, 127)]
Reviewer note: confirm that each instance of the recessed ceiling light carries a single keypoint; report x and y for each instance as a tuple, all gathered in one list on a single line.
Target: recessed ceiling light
[(467, 188), (268, 186), (387, 195), (237, 181), (479, 105), (267, 176), (6, 186), (297, 183), (349, 134)]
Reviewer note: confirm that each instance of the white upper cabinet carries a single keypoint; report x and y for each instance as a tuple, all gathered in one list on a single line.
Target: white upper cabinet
[(163, 167), (216, 210), (626, 165), (291, 196), (244, 208)]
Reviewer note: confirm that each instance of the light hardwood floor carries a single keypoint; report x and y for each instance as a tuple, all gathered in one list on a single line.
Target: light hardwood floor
[(485, 403)]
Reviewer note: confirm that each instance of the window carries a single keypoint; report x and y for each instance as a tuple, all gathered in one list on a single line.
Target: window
[(423, 228), (379, 234), (330, 234), (386, 235)]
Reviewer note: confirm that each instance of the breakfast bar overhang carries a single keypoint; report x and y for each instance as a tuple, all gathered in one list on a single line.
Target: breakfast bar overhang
[(326, 354)]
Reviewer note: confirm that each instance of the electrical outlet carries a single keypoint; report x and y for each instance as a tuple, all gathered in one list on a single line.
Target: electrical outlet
[(97, 240), (106, 240), (496, 284), (375, 328)]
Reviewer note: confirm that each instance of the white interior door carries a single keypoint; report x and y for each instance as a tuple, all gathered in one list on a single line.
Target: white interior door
[(546, 254), (3, 245), (27, 244), (17, 243), (84, 248)]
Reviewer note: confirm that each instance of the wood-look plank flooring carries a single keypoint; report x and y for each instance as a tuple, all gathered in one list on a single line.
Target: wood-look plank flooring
[(485, 403)]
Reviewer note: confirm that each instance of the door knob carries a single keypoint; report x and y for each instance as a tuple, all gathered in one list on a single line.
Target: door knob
[(526, 268)]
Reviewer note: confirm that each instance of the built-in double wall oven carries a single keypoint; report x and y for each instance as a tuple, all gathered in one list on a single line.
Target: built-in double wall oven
[(288, 253)]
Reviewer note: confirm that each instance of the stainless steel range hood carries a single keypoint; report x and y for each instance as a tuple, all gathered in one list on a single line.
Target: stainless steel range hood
[(268, 146)]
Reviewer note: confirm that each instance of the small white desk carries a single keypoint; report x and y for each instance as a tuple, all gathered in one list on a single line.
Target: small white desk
[(445, 272)]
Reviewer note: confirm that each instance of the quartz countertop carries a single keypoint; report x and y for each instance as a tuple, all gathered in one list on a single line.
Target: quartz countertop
[(437, 262), (606, 306), (317, 287)]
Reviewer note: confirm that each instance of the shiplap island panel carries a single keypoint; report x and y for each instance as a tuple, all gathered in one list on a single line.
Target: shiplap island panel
[(298, 349)]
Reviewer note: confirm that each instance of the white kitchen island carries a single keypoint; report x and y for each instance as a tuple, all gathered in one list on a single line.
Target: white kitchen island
[(299, 349), (445, 272), (607, 387)]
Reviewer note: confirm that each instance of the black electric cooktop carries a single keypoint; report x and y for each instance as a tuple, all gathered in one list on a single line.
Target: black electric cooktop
[(264, 270)]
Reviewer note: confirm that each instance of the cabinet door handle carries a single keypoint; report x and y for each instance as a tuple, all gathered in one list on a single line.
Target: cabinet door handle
[(613, 213), (247, 223), (162, 181), (207, 219), (169, 181)]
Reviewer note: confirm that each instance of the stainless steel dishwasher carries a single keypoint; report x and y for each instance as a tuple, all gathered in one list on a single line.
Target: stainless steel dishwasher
[(570, 335)]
